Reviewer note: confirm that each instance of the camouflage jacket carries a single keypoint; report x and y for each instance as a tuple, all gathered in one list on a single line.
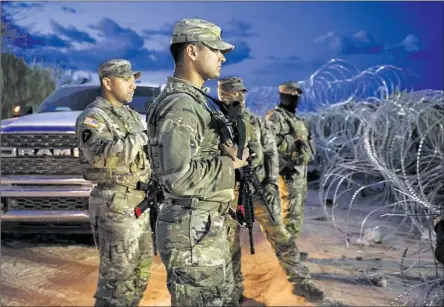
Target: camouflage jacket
[(111, 141), (292, 138), (265, 159), (184, 146)]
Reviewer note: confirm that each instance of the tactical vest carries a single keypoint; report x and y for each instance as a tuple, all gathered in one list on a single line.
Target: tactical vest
[(211, 138), (296, 125), (125, 175), (298, 130)]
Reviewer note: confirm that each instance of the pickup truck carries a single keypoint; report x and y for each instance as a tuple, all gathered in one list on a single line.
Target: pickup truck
[(41, 184)]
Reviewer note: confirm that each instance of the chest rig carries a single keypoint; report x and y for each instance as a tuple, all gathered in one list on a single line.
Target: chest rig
[(304, 143), (209, 147), (120, 124), (296, 126)]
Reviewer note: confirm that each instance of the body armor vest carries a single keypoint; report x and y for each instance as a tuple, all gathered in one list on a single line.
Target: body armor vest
[(299, 131), (209, 148)]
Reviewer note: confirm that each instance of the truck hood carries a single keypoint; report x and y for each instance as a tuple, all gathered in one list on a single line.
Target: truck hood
[(57, 121)]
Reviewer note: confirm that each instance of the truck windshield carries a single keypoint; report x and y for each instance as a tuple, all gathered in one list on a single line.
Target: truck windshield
[(77, 98)]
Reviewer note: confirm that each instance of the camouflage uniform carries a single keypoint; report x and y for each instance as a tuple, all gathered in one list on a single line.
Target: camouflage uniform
[(294, 154), (265, 166), (111, 140), (198, 184)]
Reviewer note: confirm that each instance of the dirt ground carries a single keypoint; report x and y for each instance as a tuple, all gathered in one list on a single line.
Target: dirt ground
[(62, 270)]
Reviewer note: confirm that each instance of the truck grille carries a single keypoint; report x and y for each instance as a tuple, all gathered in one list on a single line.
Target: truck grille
[(47, 203), (35, 164)]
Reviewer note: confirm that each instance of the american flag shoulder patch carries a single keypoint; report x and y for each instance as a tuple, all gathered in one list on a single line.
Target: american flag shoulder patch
[(90, 122)]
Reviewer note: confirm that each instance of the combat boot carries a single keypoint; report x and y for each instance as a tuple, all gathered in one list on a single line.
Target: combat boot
[(309, 290), (242, 299), (299, 273)]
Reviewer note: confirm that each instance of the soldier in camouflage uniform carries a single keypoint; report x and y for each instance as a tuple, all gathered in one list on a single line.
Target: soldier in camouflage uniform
[(295, 151), (265, 164), (197, 180), (111, 139)]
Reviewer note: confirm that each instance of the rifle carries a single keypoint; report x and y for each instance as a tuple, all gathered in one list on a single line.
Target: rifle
[(245, 208), (244, 214), (258, 188), (153, 196)]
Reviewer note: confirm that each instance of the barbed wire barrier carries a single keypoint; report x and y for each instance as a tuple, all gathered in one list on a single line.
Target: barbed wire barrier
[(380, 141)]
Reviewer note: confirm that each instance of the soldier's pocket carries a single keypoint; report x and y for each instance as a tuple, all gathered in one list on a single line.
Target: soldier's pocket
[(173, 214), (120, 208), (119, 264), (208, 236), (172, 227), (200, 284), (200, 226)]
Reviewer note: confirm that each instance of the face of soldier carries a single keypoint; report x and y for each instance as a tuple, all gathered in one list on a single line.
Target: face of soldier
[(289, 101), (208, 62), (121, 88), (233, 96)]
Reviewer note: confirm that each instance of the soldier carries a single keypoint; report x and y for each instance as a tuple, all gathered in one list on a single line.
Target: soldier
[(265, 164), (295, 151), (111, 138), (197, 180)]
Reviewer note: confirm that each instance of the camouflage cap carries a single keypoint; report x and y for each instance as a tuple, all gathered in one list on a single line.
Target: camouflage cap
[(198, 30), (117, 67), (231, 84), (290, 87)]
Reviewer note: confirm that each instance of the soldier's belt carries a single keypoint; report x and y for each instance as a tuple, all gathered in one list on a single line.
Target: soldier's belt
[(196, 204), (119, 187), (110, 178)]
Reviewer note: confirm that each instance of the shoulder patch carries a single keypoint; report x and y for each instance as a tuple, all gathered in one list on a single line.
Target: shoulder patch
[(86, 135), (90, 122)]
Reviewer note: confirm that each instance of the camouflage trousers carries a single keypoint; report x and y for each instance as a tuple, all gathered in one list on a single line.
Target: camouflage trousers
[(193, 246), (125, 246), (282, 243), (293, 195)]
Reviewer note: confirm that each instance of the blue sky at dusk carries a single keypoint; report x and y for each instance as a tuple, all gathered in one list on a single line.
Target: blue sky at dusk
[(275, 41)]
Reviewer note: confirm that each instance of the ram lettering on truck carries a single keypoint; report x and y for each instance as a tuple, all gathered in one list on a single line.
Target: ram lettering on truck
[(41, 184)]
